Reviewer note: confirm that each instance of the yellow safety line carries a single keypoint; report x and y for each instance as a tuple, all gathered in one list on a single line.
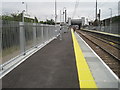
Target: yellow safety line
[(86, 79)]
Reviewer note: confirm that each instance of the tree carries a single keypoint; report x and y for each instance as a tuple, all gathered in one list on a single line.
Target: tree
[(50, 22), (96, 22), (18, 17), (36, 20)]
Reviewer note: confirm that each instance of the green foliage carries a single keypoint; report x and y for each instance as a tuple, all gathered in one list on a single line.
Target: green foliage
[(0, 17), (116, 19), (9, 18), (15, 17), (41, 22), (18, 17), (36, 20), (96, 22), (50, 22)]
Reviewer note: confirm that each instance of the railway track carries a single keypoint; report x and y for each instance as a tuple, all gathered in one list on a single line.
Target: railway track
[(105, 40), (107, 52), (113, 43)]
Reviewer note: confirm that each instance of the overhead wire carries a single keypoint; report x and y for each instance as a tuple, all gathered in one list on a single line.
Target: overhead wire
[(103, 4), (76, 6), (100, 5)]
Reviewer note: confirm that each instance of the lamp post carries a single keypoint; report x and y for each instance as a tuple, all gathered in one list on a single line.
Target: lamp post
[(22, 36), (55, 12), (23, 16), (110, 19), (64, 12), (26, 6), (60, 16)]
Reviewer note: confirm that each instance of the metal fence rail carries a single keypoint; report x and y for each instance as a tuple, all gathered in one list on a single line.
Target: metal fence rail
[(114, 28), (18, 37), (10, 40)]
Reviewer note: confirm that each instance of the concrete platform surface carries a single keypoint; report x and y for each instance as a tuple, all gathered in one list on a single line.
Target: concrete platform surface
[(62, 65), (53, 66), (102, 75)]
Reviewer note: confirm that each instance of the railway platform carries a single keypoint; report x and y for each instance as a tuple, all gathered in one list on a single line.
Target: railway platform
[(103, 33), (66, 63)]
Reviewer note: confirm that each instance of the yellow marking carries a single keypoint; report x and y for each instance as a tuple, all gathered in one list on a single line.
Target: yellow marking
[(112, 43), (85, 77)]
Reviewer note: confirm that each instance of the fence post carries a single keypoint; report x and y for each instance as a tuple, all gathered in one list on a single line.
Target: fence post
[(47, 28), (34, 33), (42, 33), (45, 33), (0, 44), (22, 38), (48, 33), (52, 31), (55, 31)]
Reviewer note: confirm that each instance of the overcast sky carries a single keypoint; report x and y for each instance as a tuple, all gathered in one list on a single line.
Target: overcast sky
[(44, 9)]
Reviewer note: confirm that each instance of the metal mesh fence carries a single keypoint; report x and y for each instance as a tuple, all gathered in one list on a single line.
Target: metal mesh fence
[(39, 34), (10, 40), (28, 35), (18, 37), (114, 28)]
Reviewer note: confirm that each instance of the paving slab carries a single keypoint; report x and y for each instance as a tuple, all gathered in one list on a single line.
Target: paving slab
[(102, 75)]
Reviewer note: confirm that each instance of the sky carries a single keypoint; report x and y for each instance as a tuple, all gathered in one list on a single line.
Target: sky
[(44, 9)]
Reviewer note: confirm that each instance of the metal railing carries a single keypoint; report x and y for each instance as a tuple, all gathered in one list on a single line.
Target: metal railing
[(114, 28), (18, 37)]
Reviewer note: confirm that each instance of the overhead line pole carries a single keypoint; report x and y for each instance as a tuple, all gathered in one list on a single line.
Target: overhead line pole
[(65, 16), (26, 8), (96, 10), (60, 16), (55, 12), (110, 20)]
